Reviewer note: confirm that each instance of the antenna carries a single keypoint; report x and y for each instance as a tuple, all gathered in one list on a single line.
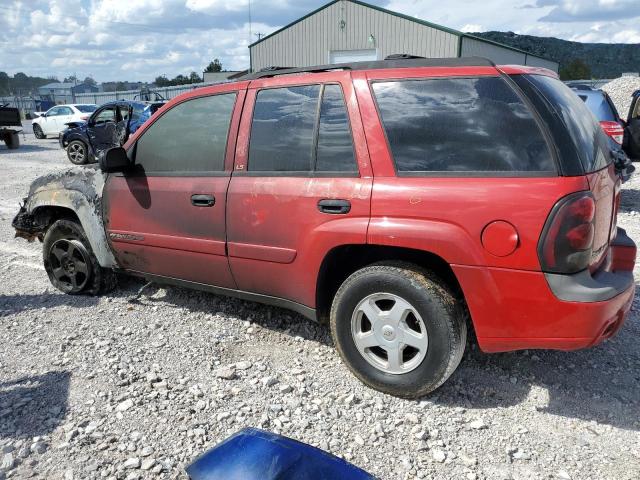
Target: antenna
[(250, 35), (260, 35)]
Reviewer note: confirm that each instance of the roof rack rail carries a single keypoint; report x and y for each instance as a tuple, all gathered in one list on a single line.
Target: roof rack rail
[(402, 56), (273, 68), (402, 62)]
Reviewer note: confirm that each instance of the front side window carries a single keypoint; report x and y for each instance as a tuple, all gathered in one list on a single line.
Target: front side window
[(301, 129), (54, 112), (189, 138), (460, 125), (105, 115)]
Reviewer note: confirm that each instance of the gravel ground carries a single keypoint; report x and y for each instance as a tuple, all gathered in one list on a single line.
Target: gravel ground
[(110, 388)]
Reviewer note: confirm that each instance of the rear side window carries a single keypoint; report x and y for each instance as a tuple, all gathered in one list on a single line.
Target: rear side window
[(189, 138), (86, 108), (582, 126), (301, 129), (473, 125), (282, 129), (335, 147)]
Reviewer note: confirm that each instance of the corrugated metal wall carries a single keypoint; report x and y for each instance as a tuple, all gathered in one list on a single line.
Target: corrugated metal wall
[(541, 62), (309, 42), (503, 56)]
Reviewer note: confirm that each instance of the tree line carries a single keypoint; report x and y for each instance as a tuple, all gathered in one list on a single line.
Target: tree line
[(23, 84)]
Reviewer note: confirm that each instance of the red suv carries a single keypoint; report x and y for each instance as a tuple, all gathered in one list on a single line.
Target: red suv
[(404, 202)]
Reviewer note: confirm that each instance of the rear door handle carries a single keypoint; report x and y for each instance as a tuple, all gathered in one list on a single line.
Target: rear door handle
[(334, 207), (203, 200)]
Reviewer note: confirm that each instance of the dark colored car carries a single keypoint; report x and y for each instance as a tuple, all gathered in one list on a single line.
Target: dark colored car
[(402, 202), (631, 142), (10, 126), (109, 126), (625, 133)]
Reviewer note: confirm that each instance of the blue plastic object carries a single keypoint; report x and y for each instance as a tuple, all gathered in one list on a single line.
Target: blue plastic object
[(254, 454)]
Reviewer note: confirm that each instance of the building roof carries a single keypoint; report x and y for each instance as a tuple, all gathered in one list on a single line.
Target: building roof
[(58, 86), (406, 17)]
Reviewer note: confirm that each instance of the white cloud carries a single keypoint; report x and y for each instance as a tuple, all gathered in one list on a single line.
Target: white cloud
[(472, 27), (141, 39)]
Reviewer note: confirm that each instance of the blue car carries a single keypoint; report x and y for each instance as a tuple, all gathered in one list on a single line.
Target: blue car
[(109, 126)]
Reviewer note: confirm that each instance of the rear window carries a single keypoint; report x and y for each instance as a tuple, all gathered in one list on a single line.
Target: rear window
[(581, 124), (87, 108), (599, 106), (461, 125)]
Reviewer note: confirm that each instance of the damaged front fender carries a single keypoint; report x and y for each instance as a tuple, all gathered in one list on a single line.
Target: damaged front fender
[(77, 189)]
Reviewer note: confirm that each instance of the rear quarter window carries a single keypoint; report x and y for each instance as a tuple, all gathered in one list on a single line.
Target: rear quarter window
[(580, 123), (461, 125)]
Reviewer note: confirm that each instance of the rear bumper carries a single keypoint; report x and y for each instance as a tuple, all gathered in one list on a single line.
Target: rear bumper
[(516, 309)]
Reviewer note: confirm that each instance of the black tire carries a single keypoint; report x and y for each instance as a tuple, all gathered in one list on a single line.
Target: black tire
[(77, 152), (67, 256), (38, 133), (441, 313), (12, 141)]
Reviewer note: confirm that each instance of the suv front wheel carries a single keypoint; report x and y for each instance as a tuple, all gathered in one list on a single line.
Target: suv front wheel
[(398, 328), (71, 264)]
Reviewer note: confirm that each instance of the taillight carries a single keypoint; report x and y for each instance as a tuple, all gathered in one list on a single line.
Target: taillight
[(614, 130), (566, 243)]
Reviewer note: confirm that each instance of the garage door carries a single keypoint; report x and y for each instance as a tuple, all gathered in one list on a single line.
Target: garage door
[(348, 56)]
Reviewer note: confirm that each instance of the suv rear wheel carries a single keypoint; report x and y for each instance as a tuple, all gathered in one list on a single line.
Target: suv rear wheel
[(70, 263), (398, 328)]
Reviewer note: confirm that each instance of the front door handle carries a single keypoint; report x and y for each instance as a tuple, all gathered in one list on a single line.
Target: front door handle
[(203, 200), (334, 207)]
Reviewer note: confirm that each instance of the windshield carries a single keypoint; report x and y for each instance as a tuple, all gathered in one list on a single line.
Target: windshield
[(86, 108), (590, 140)]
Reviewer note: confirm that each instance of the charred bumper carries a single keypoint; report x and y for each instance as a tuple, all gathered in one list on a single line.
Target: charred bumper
[(26, 225)]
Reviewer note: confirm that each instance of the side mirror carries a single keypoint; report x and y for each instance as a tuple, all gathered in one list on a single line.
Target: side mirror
[(115, 160)]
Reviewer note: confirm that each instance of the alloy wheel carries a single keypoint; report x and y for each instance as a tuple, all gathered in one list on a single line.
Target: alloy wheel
[(76, 152), (389, 333), (70, 265)]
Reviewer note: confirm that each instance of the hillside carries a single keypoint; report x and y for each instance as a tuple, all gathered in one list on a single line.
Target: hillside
[(606, 60)]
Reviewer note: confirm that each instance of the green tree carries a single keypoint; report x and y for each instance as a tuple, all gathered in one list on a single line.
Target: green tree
[(162, 81), (194, 77), (214, 66), (4, 83), (576, 70), (70, 79), (90, 81)]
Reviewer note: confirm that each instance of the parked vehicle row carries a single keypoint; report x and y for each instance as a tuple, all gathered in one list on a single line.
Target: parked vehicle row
[(55, 120), (86, 131), (109, 126), (402, 202)]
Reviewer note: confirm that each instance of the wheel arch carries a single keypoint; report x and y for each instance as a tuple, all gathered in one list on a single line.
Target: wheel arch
[(342, 261), (47, 206)]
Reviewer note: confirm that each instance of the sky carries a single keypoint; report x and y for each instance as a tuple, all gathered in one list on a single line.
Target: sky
[(141, 39)]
